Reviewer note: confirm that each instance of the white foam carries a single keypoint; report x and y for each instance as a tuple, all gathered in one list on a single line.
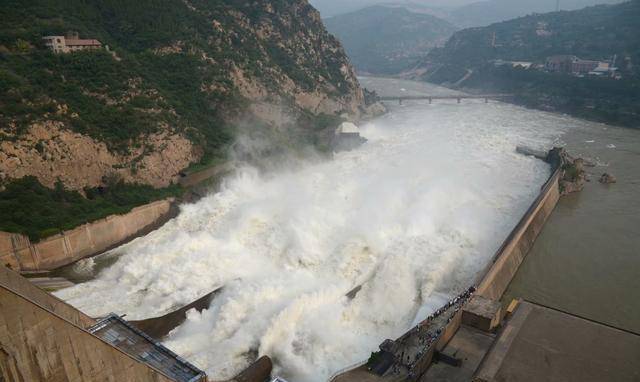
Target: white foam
[(412, 215)]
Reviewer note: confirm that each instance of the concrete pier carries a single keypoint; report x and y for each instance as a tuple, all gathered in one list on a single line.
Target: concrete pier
[(543, 344)]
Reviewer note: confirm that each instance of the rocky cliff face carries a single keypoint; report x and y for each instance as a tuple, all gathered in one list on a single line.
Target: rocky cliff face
[(51, 152), (297, 63), (177, 78)]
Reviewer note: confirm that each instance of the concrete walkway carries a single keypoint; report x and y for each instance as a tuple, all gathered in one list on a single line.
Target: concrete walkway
[(543, 344)]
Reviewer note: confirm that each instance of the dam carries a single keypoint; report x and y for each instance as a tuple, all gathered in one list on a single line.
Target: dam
[(396, 217), (319, 263)]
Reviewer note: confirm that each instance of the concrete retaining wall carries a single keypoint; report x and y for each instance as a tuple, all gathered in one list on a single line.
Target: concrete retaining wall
[(495, 278), (493, 282), (36, 344), (18, 253), (14, 281)]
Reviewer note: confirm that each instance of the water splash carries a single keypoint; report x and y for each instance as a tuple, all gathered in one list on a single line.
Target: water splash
[(411, 216)]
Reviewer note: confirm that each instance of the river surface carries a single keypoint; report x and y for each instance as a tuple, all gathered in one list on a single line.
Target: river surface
[(586, 260), (411, 216)]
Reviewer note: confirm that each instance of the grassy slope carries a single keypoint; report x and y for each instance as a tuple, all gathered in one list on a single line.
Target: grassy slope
[(32, 81)]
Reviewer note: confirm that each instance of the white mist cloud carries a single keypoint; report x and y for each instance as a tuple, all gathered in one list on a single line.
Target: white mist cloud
[(411, 216)]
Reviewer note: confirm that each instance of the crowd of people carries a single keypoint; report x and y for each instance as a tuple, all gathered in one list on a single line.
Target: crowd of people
[(462, 297), (430, 336)]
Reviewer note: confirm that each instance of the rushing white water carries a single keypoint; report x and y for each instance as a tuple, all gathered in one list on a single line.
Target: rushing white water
[(411, 216)]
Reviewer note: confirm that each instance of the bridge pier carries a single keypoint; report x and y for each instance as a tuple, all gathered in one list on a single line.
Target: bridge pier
[(459, 99), (430, 100)]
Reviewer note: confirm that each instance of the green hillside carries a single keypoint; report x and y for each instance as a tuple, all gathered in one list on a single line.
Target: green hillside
[(388, 40), (487, 12), (185, 71), (595, 33), (33, 81)]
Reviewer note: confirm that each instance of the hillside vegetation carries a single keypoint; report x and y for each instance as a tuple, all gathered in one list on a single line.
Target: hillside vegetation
[(29, 208), (388, 40), (596, 33), (179, 56), (484, 13), (177, 79)]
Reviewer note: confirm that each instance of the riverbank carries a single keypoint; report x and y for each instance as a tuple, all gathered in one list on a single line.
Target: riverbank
[(53, 249), (614, 102)]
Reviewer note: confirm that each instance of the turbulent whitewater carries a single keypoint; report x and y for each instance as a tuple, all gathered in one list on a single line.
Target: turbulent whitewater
[(411, 216)]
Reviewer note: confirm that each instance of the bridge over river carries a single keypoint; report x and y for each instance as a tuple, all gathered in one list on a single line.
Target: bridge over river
[(458, 97)]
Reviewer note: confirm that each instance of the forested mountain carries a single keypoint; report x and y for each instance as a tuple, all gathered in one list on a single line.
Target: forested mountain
[(388, 40), (602, 33), (488, 12), (176, 80), (330, 8)]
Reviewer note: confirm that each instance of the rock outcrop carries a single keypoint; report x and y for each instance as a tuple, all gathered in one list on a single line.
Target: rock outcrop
[(573, 176), (53, 153), (607, 178)]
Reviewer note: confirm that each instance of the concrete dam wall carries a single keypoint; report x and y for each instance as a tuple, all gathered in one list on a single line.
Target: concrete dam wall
[(37, 344), (22, 286), (44, 339), (18, 253), (493, 282)]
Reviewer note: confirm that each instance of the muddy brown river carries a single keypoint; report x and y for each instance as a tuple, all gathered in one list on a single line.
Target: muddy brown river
[(587, 259)]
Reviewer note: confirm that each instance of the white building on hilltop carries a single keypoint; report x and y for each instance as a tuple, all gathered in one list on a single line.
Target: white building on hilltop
[(70, 43)]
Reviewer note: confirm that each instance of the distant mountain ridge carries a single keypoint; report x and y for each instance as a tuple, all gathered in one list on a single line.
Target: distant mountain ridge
[(462, 14), (331, 8), (488, 12), (388, 40), (594, 33), (472, 59)]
